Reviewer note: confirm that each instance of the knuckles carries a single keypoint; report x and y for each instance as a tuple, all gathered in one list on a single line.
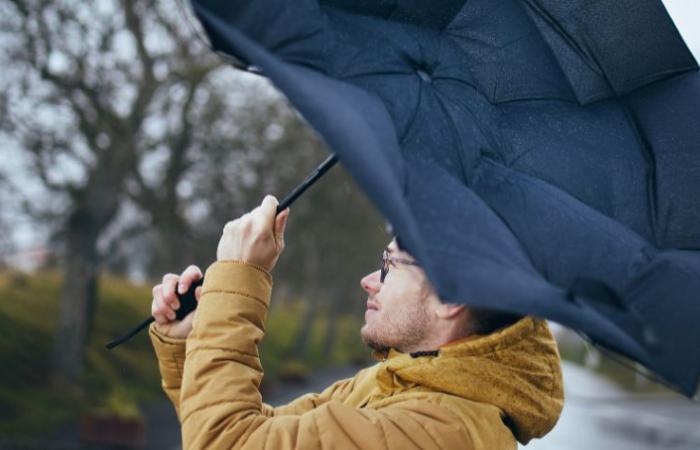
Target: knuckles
[(193, 270), (250, 235), (168, 277), (230, 227)]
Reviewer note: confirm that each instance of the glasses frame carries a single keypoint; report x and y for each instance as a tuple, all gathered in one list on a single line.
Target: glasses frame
[(386, 259)]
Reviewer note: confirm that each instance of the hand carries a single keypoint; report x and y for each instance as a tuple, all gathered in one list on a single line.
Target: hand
[(165, 303), (256, 237)]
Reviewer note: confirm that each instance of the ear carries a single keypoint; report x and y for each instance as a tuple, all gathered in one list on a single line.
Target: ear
[(448, 310)]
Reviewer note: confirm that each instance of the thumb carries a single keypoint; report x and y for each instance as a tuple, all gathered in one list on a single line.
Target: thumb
[(280, 225), (268, 211)]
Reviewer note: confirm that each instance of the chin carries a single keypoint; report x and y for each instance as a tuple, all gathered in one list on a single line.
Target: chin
[(371, 339), (364, 330)]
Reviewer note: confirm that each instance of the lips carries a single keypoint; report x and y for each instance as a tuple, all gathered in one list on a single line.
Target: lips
[(372, 305)]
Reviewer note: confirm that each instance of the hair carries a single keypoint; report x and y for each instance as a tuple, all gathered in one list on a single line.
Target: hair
[(486, 321)]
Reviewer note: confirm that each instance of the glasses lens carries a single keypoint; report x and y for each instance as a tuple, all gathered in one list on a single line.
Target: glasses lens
[(384, 268)]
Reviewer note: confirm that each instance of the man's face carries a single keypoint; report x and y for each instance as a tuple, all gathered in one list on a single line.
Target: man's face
[(397, 312)]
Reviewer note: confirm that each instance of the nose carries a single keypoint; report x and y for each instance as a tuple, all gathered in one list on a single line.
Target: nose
[(370, 283)]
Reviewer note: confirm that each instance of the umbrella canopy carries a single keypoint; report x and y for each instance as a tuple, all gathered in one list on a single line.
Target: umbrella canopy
[(535, 156)]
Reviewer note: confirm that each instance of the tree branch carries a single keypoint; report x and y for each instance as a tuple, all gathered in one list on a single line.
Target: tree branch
[(147, 88)]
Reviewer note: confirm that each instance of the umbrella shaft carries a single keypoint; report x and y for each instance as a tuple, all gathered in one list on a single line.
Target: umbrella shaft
[(288, 200)]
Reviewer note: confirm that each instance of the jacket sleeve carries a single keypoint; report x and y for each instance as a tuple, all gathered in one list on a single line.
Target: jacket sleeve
[(221, 406), (338, 391), (171, 360), (170, 353)]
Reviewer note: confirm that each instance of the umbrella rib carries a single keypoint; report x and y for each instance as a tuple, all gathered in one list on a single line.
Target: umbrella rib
[(455, 131), (409, 124)]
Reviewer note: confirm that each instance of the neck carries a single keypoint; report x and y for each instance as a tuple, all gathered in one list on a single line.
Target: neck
[(442, 334)]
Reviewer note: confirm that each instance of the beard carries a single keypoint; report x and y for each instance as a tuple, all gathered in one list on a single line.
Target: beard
[(402, 330), (371, 341)]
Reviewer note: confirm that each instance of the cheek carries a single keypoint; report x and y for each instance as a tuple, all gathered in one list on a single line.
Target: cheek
[(398, 295), (401, 286)]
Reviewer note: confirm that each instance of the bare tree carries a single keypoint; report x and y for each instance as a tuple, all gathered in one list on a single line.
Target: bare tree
[(136, 130), (103, 99), (6, 244)]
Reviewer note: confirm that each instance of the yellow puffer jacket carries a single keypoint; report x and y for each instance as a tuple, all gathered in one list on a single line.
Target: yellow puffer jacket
[(482, 392)]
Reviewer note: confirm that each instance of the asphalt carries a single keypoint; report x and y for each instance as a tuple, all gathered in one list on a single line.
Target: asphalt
[(599, 415)]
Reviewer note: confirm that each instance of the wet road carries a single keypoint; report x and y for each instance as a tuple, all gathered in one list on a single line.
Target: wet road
[(599, 416)]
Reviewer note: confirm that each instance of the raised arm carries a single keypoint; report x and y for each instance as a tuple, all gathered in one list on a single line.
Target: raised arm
[(171, 361)]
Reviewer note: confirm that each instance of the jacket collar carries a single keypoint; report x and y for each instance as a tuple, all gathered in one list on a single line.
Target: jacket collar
[(516, 368)]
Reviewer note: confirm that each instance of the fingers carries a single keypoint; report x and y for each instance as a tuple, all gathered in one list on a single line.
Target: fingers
[(256, 237), (161, 311), (168, 287), (165, 300), (280, 225), (189, 276), (268, 212)]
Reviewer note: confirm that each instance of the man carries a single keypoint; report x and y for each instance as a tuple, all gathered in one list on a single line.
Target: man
[(441, 382)]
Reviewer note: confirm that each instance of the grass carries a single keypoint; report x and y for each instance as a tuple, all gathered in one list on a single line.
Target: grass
[(128, 375), (28, 312)]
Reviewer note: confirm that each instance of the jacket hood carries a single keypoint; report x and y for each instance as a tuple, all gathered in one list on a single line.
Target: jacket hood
[(516, 368)]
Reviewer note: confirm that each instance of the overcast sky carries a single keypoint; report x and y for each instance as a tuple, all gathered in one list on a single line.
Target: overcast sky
[(686, 15)]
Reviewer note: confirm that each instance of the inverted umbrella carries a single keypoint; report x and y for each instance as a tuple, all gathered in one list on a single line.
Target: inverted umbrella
[(535, 156)]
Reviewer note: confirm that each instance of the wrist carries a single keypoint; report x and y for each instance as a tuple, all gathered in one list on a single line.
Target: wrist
[(165, 336), (169, 332)]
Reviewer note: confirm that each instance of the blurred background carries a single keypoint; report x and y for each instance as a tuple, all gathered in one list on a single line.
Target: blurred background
[(126, 146)]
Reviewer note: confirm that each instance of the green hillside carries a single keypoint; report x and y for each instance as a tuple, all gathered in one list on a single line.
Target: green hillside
[(128, 375)]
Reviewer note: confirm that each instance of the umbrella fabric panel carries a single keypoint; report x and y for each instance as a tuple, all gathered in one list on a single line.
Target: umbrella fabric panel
[(591, 41), (479, 261), (666, 292), (667, 118), (592, 153), (430, 83), (565, 237), (657, 298), (505, 54), (415, 112)]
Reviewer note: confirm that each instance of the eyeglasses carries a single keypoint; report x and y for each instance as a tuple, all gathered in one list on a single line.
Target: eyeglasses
[(386, 259)]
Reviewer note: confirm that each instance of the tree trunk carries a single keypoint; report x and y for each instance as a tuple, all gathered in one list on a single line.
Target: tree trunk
[(78, 304)]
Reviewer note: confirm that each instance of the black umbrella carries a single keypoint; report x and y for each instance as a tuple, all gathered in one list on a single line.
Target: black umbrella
[(536, 156)]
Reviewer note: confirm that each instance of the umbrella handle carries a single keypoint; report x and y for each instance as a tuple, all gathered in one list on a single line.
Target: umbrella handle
[(188, 301)]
